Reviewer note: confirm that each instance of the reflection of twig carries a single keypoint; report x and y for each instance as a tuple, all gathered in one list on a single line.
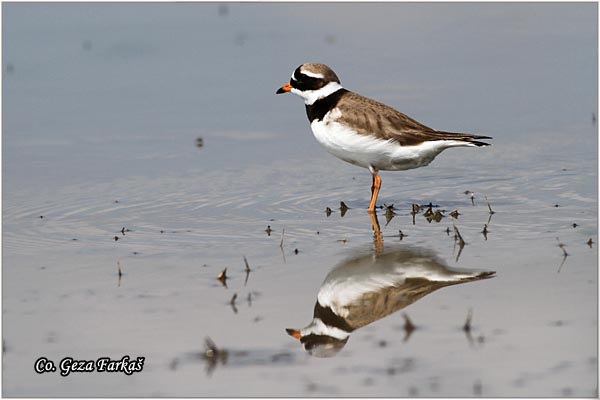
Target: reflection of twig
[(281, 244), (232, 303), (212, 354), (467, 326), (120, 273), (415, 210), (389, 213), (565, 255), (492, 212), (461, 243), (562, 263), (247, 270), (409, 327)]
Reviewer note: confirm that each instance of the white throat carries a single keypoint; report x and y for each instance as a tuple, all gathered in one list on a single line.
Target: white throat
[(310, 96), (317, 327)]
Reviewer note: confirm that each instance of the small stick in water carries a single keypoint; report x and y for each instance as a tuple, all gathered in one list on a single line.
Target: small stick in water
[(223, 277)]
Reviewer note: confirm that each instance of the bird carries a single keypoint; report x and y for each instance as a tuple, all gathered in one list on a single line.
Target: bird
[(363, 289), (365, 132)]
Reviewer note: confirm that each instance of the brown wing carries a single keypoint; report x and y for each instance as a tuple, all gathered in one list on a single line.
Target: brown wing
[(371, 117), (373, 306)]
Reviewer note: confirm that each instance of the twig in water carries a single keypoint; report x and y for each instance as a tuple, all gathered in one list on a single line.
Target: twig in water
[(468, 192), (343, 208), (222, 277)]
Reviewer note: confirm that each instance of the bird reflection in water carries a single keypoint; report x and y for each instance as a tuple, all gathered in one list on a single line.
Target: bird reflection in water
[(370, 286)]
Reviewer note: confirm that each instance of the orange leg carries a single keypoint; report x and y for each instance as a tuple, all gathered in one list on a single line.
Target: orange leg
[(374, 190)]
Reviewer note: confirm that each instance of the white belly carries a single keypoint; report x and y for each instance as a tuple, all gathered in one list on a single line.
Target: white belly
[(366, 151)]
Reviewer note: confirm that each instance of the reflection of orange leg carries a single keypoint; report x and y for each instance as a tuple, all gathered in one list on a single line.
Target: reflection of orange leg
[(377, 232), (374, 189)]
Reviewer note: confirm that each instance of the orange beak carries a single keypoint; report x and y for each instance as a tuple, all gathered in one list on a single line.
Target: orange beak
[(294, 333), (284, 89)]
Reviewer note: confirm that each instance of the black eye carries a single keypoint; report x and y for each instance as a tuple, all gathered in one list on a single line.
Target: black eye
[(298, 75)]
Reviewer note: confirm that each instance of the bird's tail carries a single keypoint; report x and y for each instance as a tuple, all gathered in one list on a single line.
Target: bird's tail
[(478, 143), (468, 138)]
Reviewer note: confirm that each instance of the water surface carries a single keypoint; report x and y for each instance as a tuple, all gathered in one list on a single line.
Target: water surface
[(102, 108)]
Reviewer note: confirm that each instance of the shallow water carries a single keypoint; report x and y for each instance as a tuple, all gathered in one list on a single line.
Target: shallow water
[(103, 105)]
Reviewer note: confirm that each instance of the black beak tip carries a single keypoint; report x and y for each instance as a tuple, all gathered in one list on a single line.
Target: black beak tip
[(280, 91)]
